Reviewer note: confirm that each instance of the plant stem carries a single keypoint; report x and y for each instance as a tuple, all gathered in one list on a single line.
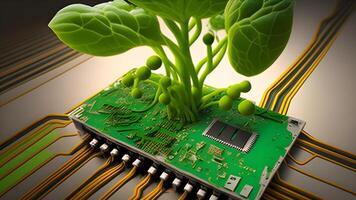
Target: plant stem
[(220, 56), (186, 53), (155, 100), (207, 97), (192, 23), (215, 51), (196, 33), (152, 82), (209, 65), (167, 63), (174, 29), (189, 66), (208, 105)]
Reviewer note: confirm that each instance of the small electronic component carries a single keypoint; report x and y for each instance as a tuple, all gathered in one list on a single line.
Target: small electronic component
[(201, 194), (246, 190), (213, 197), (232, 182), (93, 143), (176, 183), (104, 147), (114, 152), (230, 135)]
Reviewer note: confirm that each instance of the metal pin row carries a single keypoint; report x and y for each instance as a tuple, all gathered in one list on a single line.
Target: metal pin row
[(176, 183)]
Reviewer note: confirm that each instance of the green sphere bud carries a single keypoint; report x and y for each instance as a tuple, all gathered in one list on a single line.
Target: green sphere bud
[(225, 103), (208, 39), (233, 92), (154, 62), (217, 22), (143, 73), (136, 93), (128, 80), (164, 99), (245, 86), (246, 107), (165, 82)]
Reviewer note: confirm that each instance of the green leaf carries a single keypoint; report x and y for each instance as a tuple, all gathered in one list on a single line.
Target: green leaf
[(258, 31), (181, 10), (106, 29)]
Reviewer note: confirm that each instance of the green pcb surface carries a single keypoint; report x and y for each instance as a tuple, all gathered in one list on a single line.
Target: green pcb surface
[(114, 113)]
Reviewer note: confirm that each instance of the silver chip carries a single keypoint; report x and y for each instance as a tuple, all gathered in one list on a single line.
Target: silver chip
[(232, 182), (246, 190)]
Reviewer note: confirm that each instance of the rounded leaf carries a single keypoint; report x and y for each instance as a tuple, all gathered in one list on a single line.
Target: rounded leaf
[(106, 29), (179, 10), (257, 34)]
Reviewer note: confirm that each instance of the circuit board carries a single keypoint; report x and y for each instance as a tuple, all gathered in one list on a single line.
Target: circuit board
[(224, 152)]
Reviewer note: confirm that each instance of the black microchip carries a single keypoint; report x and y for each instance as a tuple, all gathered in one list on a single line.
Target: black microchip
[(215, 129), (241, 137), (230, 135)]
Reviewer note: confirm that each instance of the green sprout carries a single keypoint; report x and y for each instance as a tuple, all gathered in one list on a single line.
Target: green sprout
[(257, 31)]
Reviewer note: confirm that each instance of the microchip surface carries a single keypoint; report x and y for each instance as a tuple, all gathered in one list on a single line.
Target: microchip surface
[(230, 135)]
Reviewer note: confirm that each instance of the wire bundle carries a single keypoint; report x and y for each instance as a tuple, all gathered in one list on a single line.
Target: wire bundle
[(98, 182), (183, 196), (119, 184), (92, 177), (154, 194), (71, 166), (140, 187)]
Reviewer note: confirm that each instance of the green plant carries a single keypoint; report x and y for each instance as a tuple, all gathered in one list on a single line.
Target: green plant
[(257, 32)]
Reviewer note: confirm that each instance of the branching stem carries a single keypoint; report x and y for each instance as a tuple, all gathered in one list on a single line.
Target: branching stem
[(167, 63), (192, 23), (210, 64), (173, 27), (196, 33), (208, 97), (215, 51), (212, 103)]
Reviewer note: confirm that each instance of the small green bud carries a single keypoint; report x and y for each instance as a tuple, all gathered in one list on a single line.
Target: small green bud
[(128, 80), (246, 107), (208, 39), (136, 93), (245, 86), (164, 99), (154, 62), (225, 103), (143, 73), (233, 92), (165, 82), (217, 22)]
